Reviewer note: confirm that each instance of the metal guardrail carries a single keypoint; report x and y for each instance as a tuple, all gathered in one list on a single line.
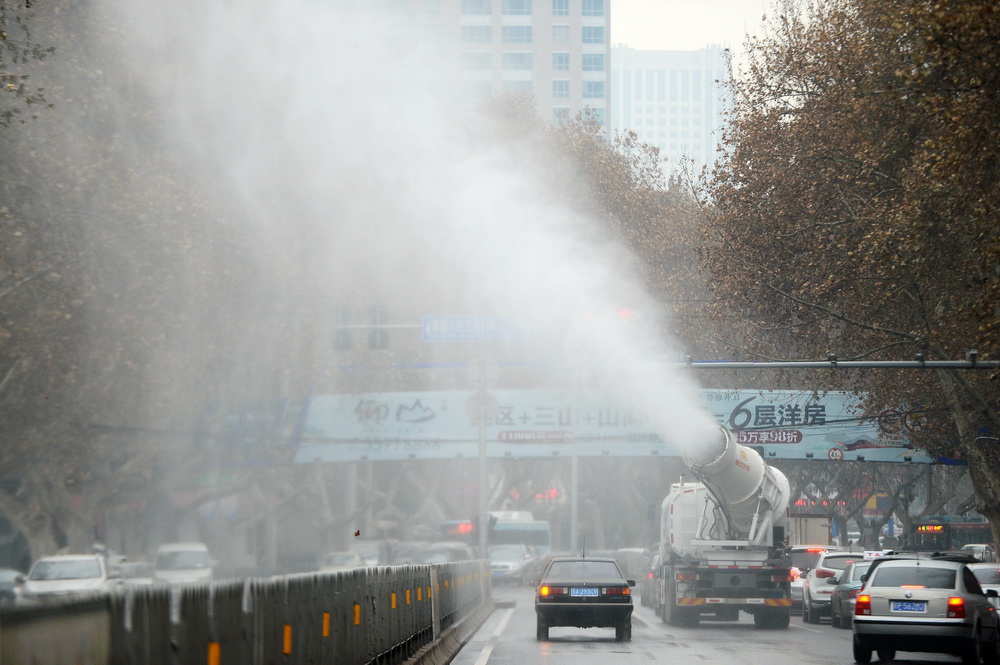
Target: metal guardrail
[(379, 615)]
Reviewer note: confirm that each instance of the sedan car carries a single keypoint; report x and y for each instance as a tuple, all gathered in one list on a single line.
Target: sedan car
[(816, 592), (513, 564), (10, 585), (335, 562), (982, 551), (845, 592), (988, 575), (65, 575), (926, 605), (584, 593)]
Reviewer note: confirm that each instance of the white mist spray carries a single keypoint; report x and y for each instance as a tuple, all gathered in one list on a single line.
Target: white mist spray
[(331, 130)]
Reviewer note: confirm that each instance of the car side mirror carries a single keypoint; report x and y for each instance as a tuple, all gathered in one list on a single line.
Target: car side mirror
[(20, 579), (992, 593), (631, 582), (833, 580), (864, 578)]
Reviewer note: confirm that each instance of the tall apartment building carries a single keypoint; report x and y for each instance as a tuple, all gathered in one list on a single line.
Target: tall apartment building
[(674, 100), (557, 50)]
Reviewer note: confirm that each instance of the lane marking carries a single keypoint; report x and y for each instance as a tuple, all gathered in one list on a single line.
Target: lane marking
[(487, 651)]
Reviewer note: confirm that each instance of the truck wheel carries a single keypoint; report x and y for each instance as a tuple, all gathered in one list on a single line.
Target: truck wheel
[(623, 631), (862, 653), (541, 630)]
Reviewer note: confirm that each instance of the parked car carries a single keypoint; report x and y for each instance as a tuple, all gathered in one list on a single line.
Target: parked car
[(10, 586), (339, 561), (515, 564), (63, 575), (988, 575), (136, 573), (925, 605), (816, 592), (585, 593), (179, 563), (634, 561), (982, 551), (845, 591)]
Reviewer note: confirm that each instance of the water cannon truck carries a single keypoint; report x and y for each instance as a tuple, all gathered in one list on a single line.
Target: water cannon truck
[(723, 539)]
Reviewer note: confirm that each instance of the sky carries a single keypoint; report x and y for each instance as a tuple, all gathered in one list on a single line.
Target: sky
[(683, 25)]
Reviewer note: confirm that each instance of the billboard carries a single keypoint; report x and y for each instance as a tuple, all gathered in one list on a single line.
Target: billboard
[(780, 424)]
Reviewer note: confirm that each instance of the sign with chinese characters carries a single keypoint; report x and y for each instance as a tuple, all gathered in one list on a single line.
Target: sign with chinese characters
[(547, 423)]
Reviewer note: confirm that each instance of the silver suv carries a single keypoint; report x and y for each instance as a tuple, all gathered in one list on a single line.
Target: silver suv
[(927, 605), (816, 591)]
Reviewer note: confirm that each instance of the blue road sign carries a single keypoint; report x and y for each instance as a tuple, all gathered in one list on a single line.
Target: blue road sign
[(469, 329)]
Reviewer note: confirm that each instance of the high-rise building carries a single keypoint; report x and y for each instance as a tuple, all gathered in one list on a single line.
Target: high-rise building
[(557, 50), (674, 100)]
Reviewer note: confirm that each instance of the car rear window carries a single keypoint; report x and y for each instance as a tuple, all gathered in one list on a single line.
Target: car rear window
[(584, 569), (805, 559), (987, 575), (838, 562), (916, 576)]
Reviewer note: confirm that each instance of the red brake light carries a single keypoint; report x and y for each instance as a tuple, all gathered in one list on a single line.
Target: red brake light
[(616, 591), (794, 574), (863, 605), (823, 572), (815, 550), (650, 574), (956, 607)]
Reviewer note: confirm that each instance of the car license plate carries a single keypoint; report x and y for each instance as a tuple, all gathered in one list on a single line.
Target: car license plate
[(909, 606), (584, 591)]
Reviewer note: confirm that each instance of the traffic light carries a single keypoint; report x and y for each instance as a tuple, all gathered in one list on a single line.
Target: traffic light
[(341, 333), (378, 337)]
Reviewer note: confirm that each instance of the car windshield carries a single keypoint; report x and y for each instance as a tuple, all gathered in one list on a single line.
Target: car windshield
[(65, 570), (989, 575), (859, 570), (914, 576), (601, 570), (182, 560), (507, 552), (805, 559), (837, 562)]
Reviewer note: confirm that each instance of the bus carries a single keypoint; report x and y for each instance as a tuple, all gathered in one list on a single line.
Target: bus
[(506, 528), (939, 533), (536, 533)]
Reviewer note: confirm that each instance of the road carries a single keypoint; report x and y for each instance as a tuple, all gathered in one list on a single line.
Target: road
[(508, 638)]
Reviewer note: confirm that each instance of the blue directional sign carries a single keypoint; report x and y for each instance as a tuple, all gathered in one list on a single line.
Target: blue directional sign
[(470, 329)]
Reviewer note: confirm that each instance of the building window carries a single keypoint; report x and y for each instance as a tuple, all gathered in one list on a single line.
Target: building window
[(596, 115), (518, 86), (560, 89), (479, 60), (477, 34), (517, 34), (517, 7), (593, 62), (560, 7), (593, 7), (477, 7), (593, 89), (517, 61), (560, 34), (560, 115), (560, 61), (593, 34)]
